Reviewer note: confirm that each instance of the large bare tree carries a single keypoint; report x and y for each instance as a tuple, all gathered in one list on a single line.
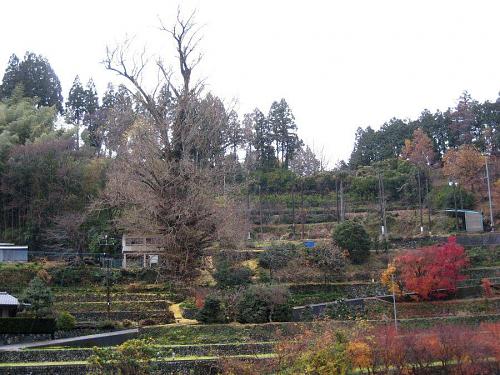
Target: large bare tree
[(165, 182), (173, 101)]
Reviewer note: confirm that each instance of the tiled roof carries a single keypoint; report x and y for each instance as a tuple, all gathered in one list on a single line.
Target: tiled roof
[(8, 300)]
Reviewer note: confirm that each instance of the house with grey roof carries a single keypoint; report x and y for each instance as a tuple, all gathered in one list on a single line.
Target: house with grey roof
[(8, 305)]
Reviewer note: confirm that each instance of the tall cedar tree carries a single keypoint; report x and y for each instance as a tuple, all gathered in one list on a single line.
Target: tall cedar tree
[(282, 124), (263, 141), (36, 76)]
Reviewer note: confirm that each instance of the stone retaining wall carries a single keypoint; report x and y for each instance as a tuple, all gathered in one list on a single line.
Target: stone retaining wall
[(56, 355), (119, 315), (197, 367), (8, 339)]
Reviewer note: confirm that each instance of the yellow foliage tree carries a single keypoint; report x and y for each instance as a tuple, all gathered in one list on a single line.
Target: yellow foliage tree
[(391, 283), (463, 165)]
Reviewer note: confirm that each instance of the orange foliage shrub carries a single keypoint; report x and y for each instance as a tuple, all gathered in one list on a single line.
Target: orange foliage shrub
[(432, 271)]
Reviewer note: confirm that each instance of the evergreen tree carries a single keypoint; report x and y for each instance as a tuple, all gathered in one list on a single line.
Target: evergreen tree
[(464, 123), (90, 120), (305, 162), (234, 132), (37, 77), (76, 103), (282, 123), (76, 107), (263, 141), (39, 296)]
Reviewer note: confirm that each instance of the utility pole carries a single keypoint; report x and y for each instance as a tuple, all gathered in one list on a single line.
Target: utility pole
[(489, 194), (454, 185), (342, 212), (420, 202), (382, 206), (427, 183), (108, 291), (337, 198), (293, 211), (394, 304), (249, 216), (260, 211), (303, 213), (107, 262)]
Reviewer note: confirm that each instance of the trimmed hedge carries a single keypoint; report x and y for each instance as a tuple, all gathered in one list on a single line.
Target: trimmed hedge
[(27, 325)]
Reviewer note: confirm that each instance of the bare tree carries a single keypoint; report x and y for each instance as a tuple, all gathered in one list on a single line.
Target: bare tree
[(158, 195), (170, 106), (67, 234), (165, 182)]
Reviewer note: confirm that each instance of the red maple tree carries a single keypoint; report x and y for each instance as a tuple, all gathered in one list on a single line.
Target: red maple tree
[(433, 271)]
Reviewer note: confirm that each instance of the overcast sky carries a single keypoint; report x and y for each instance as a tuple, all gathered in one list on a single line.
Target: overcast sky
[(339, 64)]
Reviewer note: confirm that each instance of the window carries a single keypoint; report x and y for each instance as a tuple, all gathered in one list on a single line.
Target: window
[(134, 241), (153, 240)]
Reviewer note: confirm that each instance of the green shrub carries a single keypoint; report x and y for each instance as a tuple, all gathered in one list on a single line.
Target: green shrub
[(352, 236), (67, 276), (167, 318), (228, 275), (342, 311), (262, 304), (126, 323), (445, 197), (147, 322), (107, 324), (329, 259), (212, 311), (27, 325), (39, 296), (278, 255), (65, 321), (131, 357)]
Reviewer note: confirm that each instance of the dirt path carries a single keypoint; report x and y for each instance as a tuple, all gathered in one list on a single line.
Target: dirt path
[(177, 311)]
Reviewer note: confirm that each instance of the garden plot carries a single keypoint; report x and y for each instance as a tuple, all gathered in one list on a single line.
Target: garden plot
[(453, 308), (87, 305)]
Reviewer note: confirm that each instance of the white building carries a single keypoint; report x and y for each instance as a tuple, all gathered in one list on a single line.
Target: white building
[(141, 250), (10, 253)]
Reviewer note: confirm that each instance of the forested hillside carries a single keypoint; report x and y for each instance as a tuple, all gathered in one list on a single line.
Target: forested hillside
[(60, 157)]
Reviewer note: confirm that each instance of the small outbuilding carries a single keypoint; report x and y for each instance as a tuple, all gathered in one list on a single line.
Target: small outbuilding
[(468, 220), (8, 305), (10, 253)]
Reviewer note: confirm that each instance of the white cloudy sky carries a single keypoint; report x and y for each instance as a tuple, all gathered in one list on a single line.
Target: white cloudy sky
[(339, 64)]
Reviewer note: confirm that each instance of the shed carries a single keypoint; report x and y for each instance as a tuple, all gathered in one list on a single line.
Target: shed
[(13, 253), (470, 221), (8, 305)]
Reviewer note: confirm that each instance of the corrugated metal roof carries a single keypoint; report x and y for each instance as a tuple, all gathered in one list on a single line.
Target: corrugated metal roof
[(8, 300)]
